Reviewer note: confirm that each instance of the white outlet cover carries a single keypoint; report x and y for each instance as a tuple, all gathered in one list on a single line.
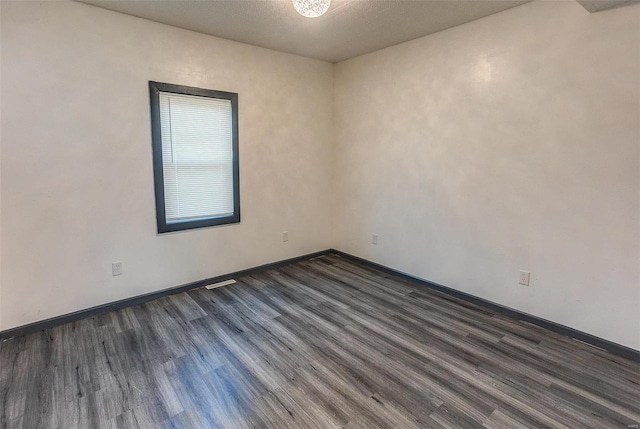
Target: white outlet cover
[(285, 236), (525, 276), (374, 239), (116, 269)]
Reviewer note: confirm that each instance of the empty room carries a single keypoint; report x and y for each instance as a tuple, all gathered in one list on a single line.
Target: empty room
[(319, 214)]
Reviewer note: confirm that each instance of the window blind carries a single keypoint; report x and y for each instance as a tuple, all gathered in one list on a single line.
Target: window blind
[(197, 156)]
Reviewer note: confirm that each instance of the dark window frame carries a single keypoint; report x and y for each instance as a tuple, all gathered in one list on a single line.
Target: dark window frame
[(158, 172)]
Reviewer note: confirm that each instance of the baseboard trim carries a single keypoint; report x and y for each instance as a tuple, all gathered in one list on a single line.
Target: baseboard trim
[(584, 337), (592, 340), (139, 299)]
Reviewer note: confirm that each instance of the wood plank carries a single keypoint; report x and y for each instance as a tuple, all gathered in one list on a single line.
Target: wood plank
[(322, 343)]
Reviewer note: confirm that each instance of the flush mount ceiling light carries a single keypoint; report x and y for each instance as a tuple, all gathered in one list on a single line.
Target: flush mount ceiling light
[(311, 8)]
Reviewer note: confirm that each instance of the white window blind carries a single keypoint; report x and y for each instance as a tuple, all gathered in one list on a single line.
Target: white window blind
[(197, 156)]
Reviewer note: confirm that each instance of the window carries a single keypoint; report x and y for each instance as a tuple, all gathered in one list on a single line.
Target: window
[(195, 156)]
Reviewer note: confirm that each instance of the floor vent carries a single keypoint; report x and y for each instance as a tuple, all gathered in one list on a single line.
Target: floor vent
[(220, 284)]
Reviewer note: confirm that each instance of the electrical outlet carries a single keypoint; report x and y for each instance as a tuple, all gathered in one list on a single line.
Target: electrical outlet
[(374, 239), (285, 236), (116, 268), (524, 278)]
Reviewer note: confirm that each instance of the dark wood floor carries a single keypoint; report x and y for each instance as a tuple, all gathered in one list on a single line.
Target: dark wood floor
[(322, 343)]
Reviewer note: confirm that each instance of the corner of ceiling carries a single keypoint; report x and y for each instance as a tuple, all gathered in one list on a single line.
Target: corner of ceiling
[(593, 6)]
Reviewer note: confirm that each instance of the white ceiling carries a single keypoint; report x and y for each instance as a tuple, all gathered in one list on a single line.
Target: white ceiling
[(350, 27)]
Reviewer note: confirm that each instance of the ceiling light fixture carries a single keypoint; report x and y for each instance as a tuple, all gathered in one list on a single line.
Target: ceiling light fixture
[(311, 8)]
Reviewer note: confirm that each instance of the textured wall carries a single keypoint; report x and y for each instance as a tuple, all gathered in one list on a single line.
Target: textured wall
[(509, 143), (77, 183)]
